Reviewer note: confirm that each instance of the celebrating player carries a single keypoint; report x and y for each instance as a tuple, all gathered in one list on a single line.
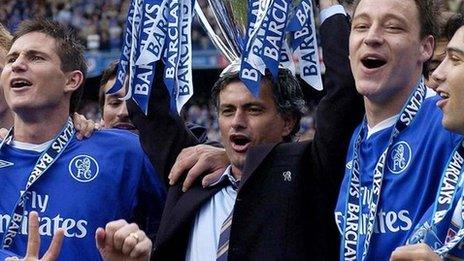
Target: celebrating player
[(441, 228), (397, 153), (77, 186)]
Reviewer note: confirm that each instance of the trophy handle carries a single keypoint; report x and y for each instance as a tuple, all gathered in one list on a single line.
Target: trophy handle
[(230, 56)]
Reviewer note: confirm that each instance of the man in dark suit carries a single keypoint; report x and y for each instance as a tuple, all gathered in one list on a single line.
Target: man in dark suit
[(282, 209)]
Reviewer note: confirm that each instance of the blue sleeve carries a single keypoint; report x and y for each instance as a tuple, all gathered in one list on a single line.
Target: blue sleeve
[(437, 235)]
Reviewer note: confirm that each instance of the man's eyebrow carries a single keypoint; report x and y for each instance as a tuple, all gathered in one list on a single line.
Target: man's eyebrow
[(456, 50), (114, 95), (365, 15), (226, 105), (361, 16), (9, 55), (251, 104), (28, 53), (396, 17)]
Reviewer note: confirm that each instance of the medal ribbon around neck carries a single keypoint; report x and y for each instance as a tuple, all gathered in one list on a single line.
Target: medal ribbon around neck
[(46, 159), (354, 205)]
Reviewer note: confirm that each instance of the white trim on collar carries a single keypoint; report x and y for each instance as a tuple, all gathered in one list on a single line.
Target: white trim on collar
[(29, 146)]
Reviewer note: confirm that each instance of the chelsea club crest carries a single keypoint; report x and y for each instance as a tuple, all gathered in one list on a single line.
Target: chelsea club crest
[(400, 157), (83, 168)]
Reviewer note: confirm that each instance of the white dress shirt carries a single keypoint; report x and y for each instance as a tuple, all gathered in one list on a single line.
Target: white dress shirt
[(204, 236)]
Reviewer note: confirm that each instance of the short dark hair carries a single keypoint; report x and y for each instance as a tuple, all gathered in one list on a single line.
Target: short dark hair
[(454, 23), (428, 20), (68, 49), (288, 96), (108, 74)]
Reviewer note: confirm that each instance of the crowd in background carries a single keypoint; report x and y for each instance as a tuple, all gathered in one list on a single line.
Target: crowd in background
[(100, 25)]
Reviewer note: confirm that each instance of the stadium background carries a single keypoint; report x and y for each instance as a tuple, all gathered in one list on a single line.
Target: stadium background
[(100, 24)]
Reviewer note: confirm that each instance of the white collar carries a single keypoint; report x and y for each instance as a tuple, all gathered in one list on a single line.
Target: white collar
[(29, 146), (387, 123)]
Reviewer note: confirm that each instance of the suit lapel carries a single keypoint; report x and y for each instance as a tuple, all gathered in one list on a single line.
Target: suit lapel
[(185, 209), (255, 157), (189, 203)]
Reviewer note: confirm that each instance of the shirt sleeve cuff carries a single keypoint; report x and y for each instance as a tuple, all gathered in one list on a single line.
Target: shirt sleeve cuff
[(333, 10)]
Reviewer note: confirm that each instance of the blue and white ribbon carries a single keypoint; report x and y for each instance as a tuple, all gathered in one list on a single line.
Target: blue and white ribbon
[(123, 67), (45, 161), (274, 35), (351, 246), (154, 32), (184, 71), (305, 44), (172, 54), (149, 50), (252, 66), (286, 57), (157, 30), (451, 182)]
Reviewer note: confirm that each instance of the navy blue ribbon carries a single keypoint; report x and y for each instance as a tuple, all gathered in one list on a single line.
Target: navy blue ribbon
[(250, 75), (171, 58), (184, 71)]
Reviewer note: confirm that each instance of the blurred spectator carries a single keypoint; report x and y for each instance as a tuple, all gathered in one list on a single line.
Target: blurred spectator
[(99, 23), (100, 26), (205, 116)]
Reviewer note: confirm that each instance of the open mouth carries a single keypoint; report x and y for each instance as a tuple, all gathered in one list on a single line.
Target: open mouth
[(373, 62), (443, 95), (240, 142), (441, 103), (124, 126), (19, 83)]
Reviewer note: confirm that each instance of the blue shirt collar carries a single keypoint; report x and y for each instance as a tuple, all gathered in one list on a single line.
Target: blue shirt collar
[(227, 175)]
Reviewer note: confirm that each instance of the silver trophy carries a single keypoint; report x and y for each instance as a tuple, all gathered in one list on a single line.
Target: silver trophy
[(230, 17)]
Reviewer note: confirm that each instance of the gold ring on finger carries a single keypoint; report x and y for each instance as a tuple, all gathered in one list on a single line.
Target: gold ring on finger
[(135, 236)]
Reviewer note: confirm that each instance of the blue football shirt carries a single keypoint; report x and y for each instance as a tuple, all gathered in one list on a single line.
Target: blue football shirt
[(95, 181), (411, 178)]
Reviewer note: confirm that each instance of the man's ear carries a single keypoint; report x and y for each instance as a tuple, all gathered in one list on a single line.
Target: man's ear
[(74, 80), (289, 124), (427, 47)]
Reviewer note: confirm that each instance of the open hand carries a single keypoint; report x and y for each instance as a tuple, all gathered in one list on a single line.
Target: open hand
[(199, 160)]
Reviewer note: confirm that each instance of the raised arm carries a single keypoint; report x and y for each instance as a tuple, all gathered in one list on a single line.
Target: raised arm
[(341, 109), (162, 134)]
